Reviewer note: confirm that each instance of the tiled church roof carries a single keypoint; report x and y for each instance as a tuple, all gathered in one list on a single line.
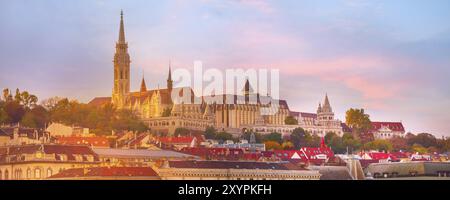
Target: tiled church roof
[(99, 101)]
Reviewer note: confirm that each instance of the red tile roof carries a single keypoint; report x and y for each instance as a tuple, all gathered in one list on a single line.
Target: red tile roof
[(176, 140), (138, 139), (89, 141), (400, 154), (305, 154), (379, 156), (394, 126)]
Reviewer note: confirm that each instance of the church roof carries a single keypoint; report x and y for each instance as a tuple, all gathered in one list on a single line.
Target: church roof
[(232, 99), (164, 93), (99, 101), (308, 115)]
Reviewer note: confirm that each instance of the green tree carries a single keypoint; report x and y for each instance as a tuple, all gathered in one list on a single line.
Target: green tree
[(258, 137), (28, 120), (39, 115), (329, 137), (399, 143), (335, 142), (351, 142), (223, 136), (18, 96), (15, 111), (424, 139), (290, 120), (299, 137), (4, 118), (358, 121), (7, 95), (380, 145), (51, 103), (419, 149), (210, 132), (273, 137), (314, 141)]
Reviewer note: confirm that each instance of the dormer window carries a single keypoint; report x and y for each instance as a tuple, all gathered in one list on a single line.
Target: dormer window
[(90, 158), (62, 157), (78, 158)]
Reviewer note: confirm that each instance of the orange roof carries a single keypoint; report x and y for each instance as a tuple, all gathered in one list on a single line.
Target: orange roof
[(176, 140)]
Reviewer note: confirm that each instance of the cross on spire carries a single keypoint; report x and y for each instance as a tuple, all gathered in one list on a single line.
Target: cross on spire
[(122, 29)]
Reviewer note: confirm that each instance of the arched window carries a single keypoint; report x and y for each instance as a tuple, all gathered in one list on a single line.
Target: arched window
[(6, 175), (20, 174), (37, 173), (28, 173), (49, 172), (1, 175)]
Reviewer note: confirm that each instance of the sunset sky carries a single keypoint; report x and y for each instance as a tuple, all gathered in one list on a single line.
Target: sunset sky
[(391, 57)]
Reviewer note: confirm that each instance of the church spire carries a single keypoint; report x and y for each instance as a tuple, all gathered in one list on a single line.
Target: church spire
[(143, 85), (169, 78), (121, 69), (247, 88), (122, 29)]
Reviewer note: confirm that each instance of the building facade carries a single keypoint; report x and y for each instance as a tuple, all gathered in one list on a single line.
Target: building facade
[(37, 162), (233, 170), (165, 110), (387, 130)]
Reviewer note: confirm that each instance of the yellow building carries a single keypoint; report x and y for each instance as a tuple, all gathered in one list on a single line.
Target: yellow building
[(37, 162)]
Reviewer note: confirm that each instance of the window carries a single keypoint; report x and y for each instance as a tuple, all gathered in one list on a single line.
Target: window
[(49, 172), (6, 175), (1, 175), (28, 173), (37, 173)]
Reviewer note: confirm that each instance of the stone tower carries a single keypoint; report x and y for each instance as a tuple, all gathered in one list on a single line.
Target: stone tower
[(325, 112), (121, 69)]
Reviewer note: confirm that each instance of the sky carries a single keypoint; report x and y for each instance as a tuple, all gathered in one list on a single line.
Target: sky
[(391, 58)]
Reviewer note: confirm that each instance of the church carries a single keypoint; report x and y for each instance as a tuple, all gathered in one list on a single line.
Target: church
[(233, 113)]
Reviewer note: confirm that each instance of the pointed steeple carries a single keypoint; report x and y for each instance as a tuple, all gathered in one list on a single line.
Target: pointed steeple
[(122, 30), (143, 85), (326, 105), (247, 88), (319, 109), (169, 78)]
